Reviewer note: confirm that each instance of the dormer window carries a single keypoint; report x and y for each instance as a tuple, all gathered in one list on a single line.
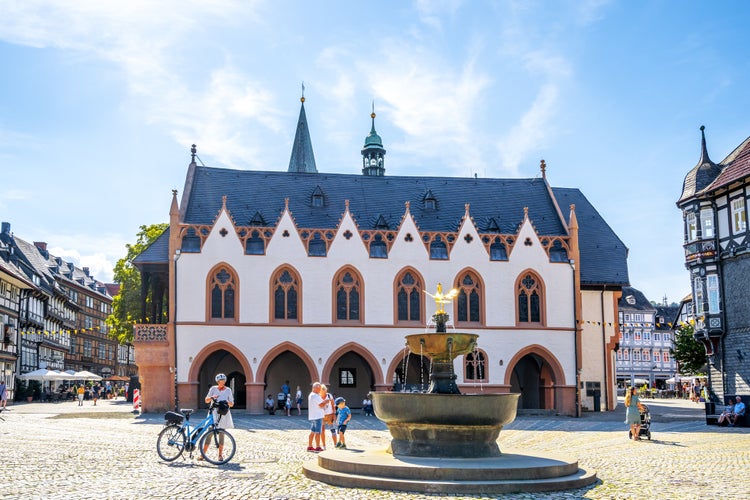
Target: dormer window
[(630, 300), (381, 223), (492, 226), (255, 245), (316, 247), (318, 197), (257, 220), (558, 253), (430, 202), (378, 248)]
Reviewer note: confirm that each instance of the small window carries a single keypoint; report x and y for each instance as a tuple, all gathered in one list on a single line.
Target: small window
[(498, 250), (707, 224), (475, 366), (738, 215), (558, 253), (347, 377), (378, 248), (317, 200), (191, 242), (255, 245), (712, 285), (692, 228), (438, 250), (316, 247)]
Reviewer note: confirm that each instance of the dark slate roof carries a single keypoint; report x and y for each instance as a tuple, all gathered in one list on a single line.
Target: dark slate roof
[(156, 253), (669, 313), (603, 255), (373, 199), (702, 175), (302, 159), (370, 197), (641, 302)]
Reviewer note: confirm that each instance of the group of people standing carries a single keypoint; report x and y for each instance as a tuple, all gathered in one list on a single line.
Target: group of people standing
[(325, 412)]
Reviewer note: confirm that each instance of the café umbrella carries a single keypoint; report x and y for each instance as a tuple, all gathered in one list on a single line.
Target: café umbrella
[(86, 375), (43, 374)]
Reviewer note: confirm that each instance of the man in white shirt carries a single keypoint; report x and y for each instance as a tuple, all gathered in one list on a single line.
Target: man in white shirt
[(739, 411), (315, 413)]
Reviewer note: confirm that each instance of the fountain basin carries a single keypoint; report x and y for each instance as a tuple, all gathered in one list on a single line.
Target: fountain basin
[(445, 425), (441, 347)]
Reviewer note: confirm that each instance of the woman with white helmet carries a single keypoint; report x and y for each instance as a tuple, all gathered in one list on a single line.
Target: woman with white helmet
[(220, 392)]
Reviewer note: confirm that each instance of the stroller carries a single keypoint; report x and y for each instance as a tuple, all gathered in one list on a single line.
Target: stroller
[(645, 429)]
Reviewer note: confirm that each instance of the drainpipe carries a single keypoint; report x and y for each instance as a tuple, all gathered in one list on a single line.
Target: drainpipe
[(575, 343), (604, 352), (177, 254)]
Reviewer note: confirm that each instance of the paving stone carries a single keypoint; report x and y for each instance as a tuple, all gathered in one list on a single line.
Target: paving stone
[(62, 451)]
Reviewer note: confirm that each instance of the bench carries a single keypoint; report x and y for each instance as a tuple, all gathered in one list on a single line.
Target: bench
[(712, 413)]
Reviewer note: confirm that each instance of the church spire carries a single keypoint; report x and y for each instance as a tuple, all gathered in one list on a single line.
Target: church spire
[(373, 151), (302, 159)]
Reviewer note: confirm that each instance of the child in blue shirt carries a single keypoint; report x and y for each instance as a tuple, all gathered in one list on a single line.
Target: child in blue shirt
[(343, 415)]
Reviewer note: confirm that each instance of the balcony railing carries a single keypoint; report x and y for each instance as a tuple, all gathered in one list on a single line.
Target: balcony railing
[(150, 333)]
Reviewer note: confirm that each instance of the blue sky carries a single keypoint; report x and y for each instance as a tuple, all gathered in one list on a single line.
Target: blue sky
[(101, 100)]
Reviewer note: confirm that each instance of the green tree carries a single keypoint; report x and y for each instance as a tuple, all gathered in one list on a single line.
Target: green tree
[(126, 306), (688, 352)]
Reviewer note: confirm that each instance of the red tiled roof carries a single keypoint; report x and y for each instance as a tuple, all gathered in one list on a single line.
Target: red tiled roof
[(737, 166)]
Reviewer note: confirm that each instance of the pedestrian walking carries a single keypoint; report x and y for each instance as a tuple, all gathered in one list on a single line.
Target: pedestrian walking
[(298, 397), (288, 405), (81, 392), (95, 393), (343, 415), (633, 413)]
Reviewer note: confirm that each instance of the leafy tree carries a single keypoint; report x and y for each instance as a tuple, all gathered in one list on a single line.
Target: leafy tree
[(126, 306), (688, 352)]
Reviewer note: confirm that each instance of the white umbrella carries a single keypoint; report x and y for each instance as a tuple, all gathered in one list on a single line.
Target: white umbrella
[(42, 374), (86, 375), (640, 381)]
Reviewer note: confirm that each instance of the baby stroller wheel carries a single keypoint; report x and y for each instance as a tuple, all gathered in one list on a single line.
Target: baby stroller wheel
[(648, 435), (630, 434)]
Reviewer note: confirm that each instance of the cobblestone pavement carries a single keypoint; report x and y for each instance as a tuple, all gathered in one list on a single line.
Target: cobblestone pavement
[(58, 450)]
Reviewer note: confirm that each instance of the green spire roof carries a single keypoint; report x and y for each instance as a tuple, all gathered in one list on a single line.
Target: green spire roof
[(302, 159)]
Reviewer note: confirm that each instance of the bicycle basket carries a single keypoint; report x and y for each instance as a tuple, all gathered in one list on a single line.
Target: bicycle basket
[(174, 418), (222, 407)]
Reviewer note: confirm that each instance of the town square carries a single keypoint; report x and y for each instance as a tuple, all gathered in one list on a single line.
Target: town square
[(58, 450), (411, 249)]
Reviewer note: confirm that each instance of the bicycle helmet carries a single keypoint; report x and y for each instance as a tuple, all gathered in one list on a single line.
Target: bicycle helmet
[(221, 376), (222, 407)]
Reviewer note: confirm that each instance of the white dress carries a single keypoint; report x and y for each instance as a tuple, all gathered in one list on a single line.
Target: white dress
[(225, 395)]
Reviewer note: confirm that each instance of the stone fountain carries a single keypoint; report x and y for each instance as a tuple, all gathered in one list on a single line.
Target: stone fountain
[(444, 441)]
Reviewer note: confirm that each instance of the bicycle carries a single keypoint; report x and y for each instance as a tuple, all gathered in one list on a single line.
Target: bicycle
[(178, 436)]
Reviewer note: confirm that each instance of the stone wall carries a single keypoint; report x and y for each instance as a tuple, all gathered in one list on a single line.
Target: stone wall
[(737, 340)]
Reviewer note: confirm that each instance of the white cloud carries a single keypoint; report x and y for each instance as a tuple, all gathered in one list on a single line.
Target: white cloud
[(431, 11), (96, 251)]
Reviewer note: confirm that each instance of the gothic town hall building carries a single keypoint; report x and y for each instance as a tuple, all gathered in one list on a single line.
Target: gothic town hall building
[(303, 275)]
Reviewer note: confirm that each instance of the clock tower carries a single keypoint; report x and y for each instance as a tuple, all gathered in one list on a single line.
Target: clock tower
[(373, 152)]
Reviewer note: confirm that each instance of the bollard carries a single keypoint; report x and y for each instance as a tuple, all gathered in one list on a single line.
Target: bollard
[(136, 400)]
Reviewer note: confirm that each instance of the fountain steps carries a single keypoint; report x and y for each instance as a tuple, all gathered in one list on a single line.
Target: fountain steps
[(510, 472)]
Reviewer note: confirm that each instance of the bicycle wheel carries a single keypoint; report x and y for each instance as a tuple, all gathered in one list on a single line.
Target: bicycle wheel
[(171, 443), (217, 446)]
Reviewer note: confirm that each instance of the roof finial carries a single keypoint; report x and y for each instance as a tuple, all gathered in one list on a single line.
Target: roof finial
[(193, 151), (302, 99), (543, 166), (372, 115), (704, 150)]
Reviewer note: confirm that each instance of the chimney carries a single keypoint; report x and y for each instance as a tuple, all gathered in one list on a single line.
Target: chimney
[(86, 271), (6, 228), (41, 245)]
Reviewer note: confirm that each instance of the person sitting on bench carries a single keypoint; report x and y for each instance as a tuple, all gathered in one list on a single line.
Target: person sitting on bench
[(726, 415), (739, 411)]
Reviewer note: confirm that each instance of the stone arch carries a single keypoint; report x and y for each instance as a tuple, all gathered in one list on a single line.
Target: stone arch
[(211, 348), (279, 349), (557, 371), (358, 349)]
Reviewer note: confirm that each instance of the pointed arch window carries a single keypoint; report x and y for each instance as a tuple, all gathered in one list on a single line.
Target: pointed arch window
[(475, 366), (409, 298), (222, 291), (348, 296), (469, 299), (530, 295), (286, 294), (316, 247)]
